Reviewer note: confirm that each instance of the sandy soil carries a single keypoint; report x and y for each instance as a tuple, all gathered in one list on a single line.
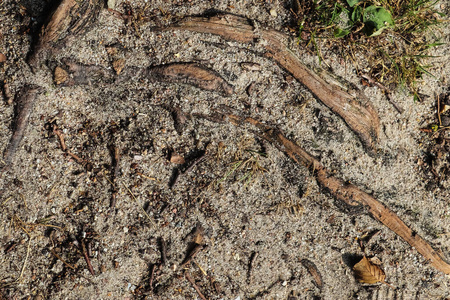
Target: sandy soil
[(261, 232)]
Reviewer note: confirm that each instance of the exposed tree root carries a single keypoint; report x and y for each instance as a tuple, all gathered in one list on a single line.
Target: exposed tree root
[(356, 110), (71, 18), (24, 106), (181, 73), (342, 191)]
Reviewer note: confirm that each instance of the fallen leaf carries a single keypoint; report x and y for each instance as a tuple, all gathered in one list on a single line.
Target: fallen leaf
[(2, 57), (118, 65), (368, 272), (444, 108), (60, 75), (177, 159), (312, 269)]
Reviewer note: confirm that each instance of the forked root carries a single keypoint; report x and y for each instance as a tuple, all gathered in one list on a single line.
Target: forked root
[(353, 107)]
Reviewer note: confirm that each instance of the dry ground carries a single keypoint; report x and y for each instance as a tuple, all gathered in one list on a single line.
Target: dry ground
[(262, 232)]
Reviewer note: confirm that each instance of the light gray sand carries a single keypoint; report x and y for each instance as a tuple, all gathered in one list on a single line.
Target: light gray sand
[(280, 214)]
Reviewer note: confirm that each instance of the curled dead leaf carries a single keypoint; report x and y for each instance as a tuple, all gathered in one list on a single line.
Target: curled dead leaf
[(177, 159), (60, 75), (118, 65), (314, 271), (444, 108), (368, 272)]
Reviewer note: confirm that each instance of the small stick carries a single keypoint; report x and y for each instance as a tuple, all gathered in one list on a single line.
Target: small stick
[(343, 191), (115, 173), (25, 100), (194, 285), (64, 148), (86, 257), (314, 271), (386, 91), (252, 259), (163, 251), (60, 258), (188, 169), (439, 110), (152, 277), (192, 254)]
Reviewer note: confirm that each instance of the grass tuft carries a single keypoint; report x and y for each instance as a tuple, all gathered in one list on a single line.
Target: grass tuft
[(387, 40)]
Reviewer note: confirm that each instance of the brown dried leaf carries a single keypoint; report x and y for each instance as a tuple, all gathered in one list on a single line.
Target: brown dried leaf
[(177, 159), (118, 65), (2, 57), (60, 75), (312, 269), (368, 272), (444, 108)]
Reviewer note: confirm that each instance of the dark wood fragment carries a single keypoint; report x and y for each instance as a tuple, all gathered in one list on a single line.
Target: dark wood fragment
[(179, 73), (192, 74), (25, 100), (194, 285), (71, 18), (86, 257), (251, 262), (197, 248), (163, 246), (115, 170)]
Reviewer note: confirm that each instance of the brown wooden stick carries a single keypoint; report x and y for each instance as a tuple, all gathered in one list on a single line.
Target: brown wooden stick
[(86, 257), (345, 192), (69, 19), (197, 289), (356, 110), (197, 248)]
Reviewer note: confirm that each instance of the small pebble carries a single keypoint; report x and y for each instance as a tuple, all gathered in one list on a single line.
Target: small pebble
[(273, 12)]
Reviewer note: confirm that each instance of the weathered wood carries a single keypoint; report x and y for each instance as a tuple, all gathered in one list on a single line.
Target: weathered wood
[(356, 110), (24, 106), (193, 74), (71, 18), (180, 73), (342, 191)]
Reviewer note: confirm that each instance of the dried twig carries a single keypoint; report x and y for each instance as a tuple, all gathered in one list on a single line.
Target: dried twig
[(184, 73), (386, 91), (163, 251), (179, 173), (251, 262), (115, 173), (64, 148), (70, 18), (152, 277), (194, 285), (342, 191), (197, 248), (312, 269), (86, 257), (61, 259)]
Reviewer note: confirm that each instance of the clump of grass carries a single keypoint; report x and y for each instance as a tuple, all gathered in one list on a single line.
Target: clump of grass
[(247, 168), (387, 40), (244, 164)]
